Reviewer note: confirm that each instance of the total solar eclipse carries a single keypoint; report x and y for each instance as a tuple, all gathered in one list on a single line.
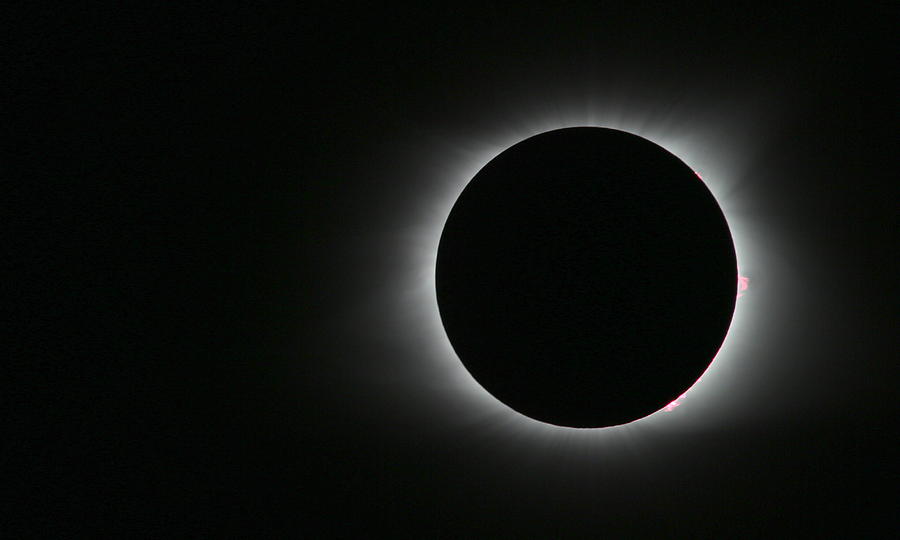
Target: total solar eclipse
[(586, 277)]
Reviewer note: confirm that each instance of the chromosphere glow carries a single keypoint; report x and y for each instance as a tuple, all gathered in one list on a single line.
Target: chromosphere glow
[(444, 163)]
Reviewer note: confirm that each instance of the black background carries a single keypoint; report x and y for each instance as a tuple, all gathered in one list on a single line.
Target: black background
[(195, 198)]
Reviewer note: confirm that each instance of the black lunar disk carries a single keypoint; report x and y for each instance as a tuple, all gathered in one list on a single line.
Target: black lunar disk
[(586, 277)]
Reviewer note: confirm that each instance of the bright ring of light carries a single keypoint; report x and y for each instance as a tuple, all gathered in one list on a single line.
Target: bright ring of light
[(456, 396)]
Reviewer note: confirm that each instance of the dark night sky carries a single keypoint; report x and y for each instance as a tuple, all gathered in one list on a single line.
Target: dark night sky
[(205, 212)]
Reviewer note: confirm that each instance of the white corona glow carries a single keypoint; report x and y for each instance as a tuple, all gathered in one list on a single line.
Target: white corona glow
[(718, 154)]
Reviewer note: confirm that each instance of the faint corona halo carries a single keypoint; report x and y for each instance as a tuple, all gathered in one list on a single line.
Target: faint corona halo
[(586, 277)]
